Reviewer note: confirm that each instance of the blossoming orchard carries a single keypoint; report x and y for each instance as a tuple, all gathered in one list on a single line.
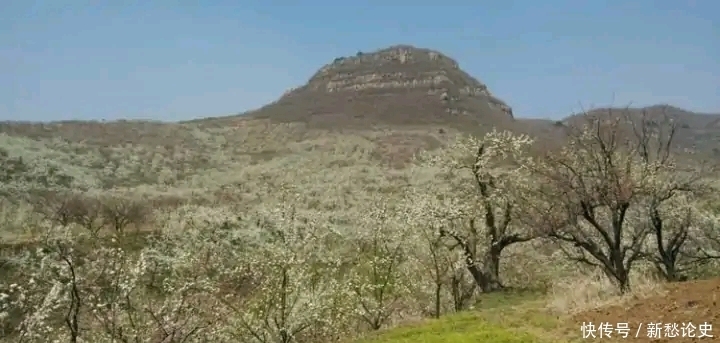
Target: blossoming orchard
[(329, 244)]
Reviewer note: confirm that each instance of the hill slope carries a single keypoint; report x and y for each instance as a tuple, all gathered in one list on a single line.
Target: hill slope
[(405, 86), (526, 320), (696, 131), (400, 85)]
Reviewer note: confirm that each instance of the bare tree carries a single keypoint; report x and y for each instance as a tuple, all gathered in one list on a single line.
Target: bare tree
[(584, 195), (67, 207), (669, 221), (87, 213), (122, 211)]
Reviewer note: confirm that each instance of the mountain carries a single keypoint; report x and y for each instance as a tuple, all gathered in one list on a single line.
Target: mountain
[(699, 132), (398, 85), (401, 86)]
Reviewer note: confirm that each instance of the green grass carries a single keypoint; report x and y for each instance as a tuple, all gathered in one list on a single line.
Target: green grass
[(460, 328), (505, 317)]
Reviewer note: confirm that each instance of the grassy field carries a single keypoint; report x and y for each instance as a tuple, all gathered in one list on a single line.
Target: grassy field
[(528, 317), (504, 317)]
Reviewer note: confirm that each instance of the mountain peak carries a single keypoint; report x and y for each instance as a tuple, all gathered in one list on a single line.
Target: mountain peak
[(396, 84)]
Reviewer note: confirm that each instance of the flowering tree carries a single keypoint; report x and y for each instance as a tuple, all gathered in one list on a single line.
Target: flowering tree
[(705, 240), (477, 208), (76, 280), (381, 276), (297, 291), (443, 273)]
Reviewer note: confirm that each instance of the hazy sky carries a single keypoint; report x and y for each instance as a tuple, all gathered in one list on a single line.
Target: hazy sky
[(177, 60)]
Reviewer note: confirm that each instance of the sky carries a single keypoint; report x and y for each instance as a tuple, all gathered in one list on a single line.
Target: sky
[(179, 60)]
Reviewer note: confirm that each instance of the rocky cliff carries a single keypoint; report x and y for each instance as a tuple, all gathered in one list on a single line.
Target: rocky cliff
[(397, 85)]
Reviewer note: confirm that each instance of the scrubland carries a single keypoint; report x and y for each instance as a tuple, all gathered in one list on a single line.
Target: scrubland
[(262, 232)]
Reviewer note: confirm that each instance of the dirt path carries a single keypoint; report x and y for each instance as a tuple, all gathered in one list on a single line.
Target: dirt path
[(696, 302)]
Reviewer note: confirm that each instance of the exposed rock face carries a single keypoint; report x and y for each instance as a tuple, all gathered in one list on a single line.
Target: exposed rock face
[(399, 84)]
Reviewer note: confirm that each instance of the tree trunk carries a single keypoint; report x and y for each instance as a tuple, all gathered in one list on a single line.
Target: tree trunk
[(667, 267), (667, 256), (492, 270), (487, 275), (461, 294), (620, 276), (438, 294)]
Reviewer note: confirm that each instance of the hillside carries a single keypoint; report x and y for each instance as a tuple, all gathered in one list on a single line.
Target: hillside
[(392, 103), (697, 131), (514, 318)]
